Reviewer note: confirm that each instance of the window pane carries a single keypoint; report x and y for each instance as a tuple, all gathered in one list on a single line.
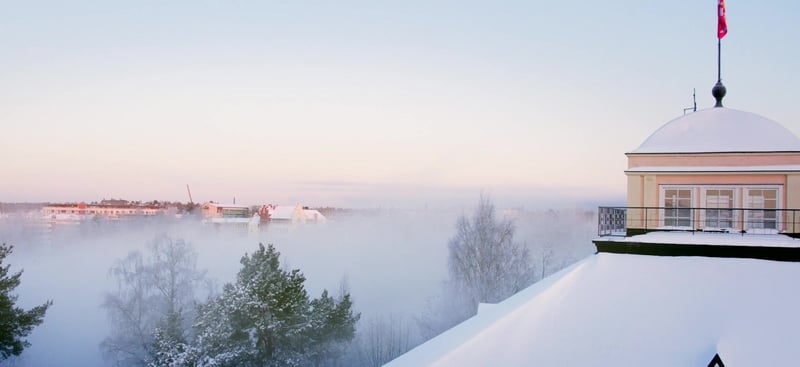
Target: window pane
[(762, 199), (717, 201), (676, 207)]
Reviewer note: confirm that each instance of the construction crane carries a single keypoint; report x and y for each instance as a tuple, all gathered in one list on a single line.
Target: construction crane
[(190, 194)]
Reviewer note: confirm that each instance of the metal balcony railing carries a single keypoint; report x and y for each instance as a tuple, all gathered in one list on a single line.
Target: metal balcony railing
[(622, 221)]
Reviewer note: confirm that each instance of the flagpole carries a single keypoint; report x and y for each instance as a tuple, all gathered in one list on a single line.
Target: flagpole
[(722, 29), (719, 60)]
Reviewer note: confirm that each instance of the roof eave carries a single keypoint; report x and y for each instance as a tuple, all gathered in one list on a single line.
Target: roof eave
[(716, 152)]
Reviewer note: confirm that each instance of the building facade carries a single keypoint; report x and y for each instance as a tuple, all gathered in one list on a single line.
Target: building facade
[(717, 169)]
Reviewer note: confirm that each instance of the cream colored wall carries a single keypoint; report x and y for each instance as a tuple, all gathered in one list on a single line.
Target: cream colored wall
[(643, 188), (650, 191), (635, 186), (650, 199), (792, 201), (212, 211), (635, 183), (298, 216), (642, 192), (793, 191)]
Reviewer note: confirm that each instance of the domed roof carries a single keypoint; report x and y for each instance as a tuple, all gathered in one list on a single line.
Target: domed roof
[(720, 129)]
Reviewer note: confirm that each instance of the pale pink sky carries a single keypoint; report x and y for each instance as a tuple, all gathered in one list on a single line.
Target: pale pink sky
[(363, 103)]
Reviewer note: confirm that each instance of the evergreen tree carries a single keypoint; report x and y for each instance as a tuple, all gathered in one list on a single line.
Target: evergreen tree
[(172, 352), (332, 327), (266, 318), (15, 323)]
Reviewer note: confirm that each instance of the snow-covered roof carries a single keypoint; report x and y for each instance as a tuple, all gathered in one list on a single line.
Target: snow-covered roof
[(313, 215), (633, 310), (702, 238), (737, 169), (720, 130), (282, 212)]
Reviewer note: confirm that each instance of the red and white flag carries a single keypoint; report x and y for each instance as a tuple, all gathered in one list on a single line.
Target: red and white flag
[(722, 24)]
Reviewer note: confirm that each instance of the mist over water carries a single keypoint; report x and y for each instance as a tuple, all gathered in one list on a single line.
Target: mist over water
[(394, 262)]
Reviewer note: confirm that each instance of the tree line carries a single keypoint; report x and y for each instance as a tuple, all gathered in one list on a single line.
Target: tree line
[(165, 312), (265, 317)]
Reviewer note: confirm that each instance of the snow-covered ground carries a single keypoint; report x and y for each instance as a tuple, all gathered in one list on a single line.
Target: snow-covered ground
[(720, 239), (634, 310)]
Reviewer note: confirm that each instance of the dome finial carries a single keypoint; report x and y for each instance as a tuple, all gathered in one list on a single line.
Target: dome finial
[(718, 92)]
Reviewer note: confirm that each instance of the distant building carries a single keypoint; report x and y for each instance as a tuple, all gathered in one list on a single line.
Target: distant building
[(217, 210), (290, 214), (229, 217), (82, 211), (314, 216)]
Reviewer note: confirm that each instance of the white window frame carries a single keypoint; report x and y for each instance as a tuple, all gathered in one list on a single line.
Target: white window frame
[(741, 199), (704, 204), (778, 205), (662, 200)]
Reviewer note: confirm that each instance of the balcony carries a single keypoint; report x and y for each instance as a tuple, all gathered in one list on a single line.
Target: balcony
[(629, 221)]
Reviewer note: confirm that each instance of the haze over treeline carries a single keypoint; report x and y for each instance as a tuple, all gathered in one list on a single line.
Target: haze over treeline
[(394, 262)]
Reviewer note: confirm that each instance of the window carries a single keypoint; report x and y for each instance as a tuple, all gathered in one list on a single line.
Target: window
[(762, 199), (718, 204), (677, 207)]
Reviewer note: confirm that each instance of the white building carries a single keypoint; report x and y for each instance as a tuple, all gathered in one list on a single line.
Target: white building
[(81, 211), (290, 214)]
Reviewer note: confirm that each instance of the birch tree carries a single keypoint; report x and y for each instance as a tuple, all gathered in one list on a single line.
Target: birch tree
[(485, 265), (156, 294), (484, 262)]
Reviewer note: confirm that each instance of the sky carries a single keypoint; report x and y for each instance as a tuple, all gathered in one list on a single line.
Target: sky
[(364, 103)]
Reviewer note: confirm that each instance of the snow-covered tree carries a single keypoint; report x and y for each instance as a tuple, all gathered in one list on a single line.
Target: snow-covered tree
[(171, 352), (445, 310), (485, 265), (266, 318), (380, 340), (155, 291), (332, 328), (15, 322), (484, 262)]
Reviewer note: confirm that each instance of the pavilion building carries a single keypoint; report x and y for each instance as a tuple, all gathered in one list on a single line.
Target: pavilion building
[(698, 269), (717, 169)]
